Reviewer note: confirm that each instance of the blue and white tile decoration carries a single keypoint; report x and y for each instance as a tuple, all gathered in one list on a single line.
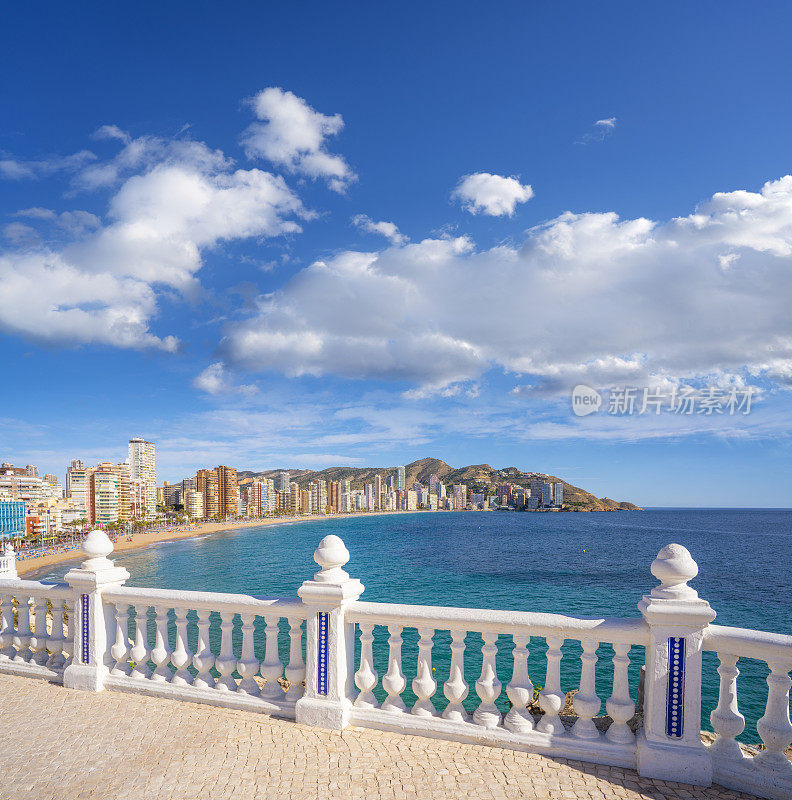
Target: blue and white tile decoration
[(85, 652), (323, 620), (675, 703)]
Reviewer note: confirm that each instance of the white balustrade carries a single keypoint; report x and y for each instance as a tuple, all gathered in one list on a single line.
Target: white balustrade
[(140, 650), (6, 627), (774, 727), (488, 687), (424, 685), (21, 638), (586, 702), (295, 669), (726, 719), (248, 665), (551, 698), (38, 639), (181, 657), (161, 652), (456, 688), (366, 677), (56, 640), (204, 659), (394, 682), (225, 663), (519, 690), (120, 649), (619, 705), (68, 644), (272, 666)]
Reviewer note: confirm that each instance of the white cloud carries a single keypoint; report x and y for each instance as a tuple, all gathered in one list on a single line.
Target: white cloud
[(292, 135), (103, 286), (494, 195), (18, 169), (386, 229), (215, 380), (584, 298), (600, 129)]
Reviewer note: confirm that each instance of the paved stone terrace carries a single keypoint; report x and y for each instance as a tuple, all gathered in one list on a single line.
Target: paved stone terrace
[(60, 744)]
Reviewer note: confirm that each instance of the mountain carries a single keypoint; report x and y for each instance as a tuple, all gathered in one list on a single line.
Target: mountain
[(477, 477)]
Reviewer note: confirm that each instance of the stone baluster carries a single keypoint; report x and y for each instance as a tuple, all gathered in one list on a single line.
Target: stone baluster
[(456, 688), (330, 639), (727, 721), (366, 677), (424, 685), (248, 664), (68, 645), (120, 648), (519, 690), (57, 638), (204, 659), (394, 682), (182, 656), (669, 745), (295, 669), (619, 705), (7, 652), (551, 698), (488, 687), (38, 639), (22, 634), (140, 651), (225, 662), (272, 666), (586, 702), (94, 622), (161, 652), (774, 727)]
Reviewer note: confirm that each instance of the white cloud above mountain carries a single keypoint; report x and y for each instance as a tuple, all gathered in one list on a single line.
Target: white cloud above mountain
[(292, 135), (584, 297), (493, 195)]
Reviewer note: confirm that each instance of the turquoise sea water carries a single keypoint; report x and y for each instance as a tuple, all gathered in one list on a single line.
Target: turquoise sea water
[(579, 564)]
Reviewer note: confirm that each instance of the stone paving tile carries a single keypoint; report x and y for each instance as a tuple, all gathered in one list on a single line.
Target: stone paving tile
[(60, 744)]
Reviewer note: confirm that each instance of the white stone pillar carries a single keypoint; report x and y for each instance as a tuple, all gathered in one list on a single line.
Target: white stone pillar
[(330, 639), (94, 621), (8, 562), (669, 744)]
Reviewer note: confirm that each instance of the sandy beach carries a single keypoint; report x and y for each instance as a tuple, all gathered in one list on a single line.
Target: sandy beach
[(166, 535)]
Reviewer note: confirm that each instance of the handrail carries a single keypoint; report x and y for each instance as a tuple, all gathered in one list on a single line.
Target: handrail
[(54, 591), (603, 629), (207, 601), (748, 643)]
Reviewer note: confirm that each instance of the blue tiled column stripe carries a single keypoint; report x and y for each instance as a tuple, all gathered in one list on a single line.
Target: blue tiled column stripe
[(85, 650), (675, 702), (323, 619)]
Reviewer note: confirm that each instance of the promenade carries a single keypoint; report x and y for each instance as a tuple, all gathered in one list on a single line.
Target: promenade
[(62, 744)]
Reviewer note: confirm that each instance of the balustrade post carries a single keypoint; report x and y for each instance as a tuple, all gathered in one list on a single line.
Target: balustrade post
[(330, 639), (95, 623), (669, 744), (8, 563)]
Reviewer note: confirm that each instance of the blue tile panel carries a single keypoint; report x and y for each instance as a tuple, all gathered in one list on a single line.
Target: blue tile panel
[(12, 519), (85, 650), (675, 702), (323, 622)]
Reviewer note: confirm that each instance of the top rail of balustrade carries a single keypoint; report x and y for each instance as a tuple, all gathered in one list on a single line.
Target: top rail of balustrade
[(748, 643), (602, 629), (53, 591), (208, 601)]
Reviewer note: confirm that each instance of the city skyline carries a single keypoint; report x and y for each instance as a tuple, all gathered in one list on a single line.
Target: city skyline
[(278, 261)]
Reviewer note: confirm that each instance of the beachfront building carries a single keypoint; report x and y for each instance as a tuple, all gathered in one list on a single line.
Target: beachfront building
[(558, 494), (400, 479), (193, 504), (260, 498), (283, 481), (12, 519), (16, 484), (143, 476), (108, 493), (206, 484)]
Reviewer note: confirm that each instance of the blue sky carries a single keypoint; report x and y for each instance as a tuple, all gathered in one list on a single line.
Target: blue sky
[(359, 234)]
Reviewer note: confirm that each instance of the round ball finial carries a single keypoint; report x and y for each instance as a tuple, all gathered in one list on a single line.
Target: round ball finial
[(331, 555), (674, 567), (97, 545)]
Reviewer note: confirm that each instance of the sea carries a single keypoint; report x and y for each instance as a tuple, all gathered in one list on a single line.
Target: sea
[(580, 564)]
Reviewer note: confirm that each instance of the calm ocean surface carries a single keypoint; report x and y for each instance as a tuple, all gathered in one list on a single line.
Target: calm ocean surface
[(593, 564)]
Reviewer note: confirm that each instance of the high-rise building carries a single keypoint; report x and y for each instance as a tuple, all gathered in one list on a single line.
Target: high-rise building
[(283, 481), (558, 494), (31, 470), (143, 477), (334, 496), (12, 519), (227, 491), (434, 484), (547, 494), (400, 478), (193, 504), (206, 484), (76, 486), (107, 493), (378, 492)]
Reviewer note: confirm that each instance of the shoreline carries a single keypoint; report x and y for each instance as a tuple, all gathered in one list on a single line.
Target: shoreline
[(31, 569)]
